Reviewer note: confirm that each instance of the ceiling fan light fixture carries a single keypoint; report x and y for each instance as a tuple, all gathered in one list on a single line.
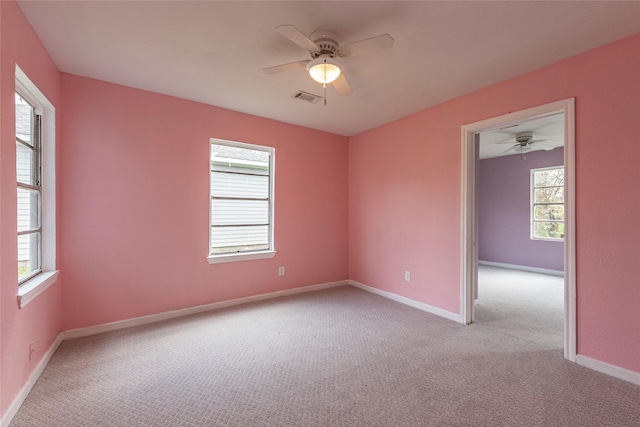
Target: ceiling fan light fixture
[(324, 69)]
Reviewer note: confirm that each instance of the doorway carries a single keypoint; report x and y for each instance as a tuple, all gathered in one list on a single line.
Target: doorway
[(469, 208)]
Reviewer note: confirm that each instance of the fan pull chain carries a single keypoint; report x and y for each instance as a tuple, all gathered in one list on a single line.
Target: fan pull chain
[(324, 85), (522, 156)]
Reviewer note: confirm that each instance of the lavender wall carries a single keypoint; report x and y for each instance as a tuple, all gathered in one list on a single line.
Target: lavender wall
[(504, 203)]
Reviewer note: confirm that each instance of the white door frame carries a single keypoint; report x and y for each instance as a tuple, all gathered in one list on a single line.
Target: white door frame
[(468, 275)]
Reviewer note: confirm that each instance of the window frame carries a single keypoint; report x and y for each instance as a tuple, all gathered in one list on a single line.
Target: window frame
[(29, 288), (533, 205), (270, 252), (34, 144)]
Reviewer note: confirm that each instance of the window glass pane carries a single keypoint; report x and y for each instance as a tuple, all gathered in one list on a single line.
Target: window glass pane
[(28, 254), (240, 168), (549, 212), (235, 185), (239, 239), (236, 159), (549, 195), (28, 209), (240, 183), (237, 212), (24, 119), (24, 164), (548, 230), (548, 203), (549, 177)]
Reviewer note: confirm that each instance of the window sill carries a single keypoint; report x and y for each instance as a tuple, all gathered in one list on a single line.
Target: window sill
[(34, 287), (247, 256)]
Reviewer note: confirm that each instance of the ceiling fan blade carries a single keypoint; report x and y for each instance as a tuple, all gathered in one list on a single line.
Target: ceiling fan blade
[(507, 141), (508, 149), (543, 143), (296, 36), (383, 41), (516, 148), (285, 67), (342, 85)]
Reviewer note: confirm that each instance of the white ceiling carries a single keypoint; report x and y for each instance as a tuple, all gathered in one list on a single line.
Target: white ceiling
[(501, 142), (213, 51)]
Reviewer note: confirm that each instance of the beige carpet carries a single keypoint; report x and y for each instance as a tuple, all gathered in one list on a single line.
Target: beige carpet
[(527, 304), (338, 357)]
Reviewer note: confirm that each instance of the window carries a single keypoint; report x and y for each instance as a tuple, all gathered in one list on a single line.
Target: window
[(547, 203), (35, 179), (29, 189), (241, 183)]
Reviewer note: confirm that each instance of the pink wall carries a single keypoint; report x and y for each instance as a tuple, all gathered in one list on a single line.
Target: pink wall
[(505, 211), (404, 186), (40, 320), (134, 204), (133, 201), (403, 202)]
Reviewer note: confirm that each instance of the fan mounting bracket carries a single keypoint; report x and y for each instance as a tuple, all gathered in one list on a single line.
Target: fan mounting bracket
[(524, 138), (327, 41)]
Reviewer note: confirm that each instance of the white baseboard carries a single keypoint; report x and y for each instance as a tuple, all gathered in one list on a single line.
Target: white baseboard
[(92, 330), (605, 368), (152, 318), (611, 370), (15, 405), (404, 300), (523, 268)]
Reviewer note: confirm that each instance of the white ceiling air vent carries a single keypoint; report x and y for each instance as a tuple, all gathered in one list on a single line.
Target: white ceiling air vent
[(306, 96)]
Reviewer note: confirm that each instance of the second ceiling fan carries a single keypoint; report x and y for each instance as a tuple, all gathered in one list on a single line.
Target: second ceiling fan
[(523, 141), (325, 66)]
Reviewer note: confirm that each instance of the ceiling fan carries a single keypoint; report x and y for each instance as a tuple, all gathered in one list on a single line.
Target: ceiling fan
[(522, 142), (325, 67)]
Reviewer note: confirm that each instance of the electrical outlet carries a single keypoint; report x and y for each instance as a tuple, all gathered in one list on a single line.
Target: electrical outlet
[(281, 270), (32, 350), (407, 276)]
